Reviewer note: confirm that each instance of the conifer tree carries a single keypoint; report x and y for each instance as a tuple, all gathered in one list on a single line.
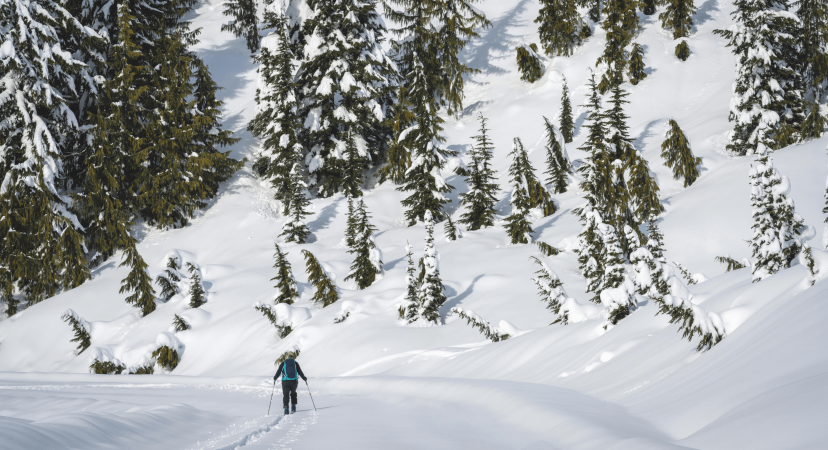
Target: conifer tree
[(285, 283), (450, 230), (643, 192), (295, 229), (431, 293), (411, 303), (594, 11), (196, 289), (346, 86), (245, 22), (558, 166), (655, 240), (567, 124), (648, 7), (636, 69), (480, 199), (647, 272), (352, 221), (180, 324), (590, 251), (814, 64), (169, 278), (551, 290), (592, 177), (677, 155), (326, 291), (560, 27), (367, 259), (518, 224), (678, 17), (682, 50), (621, 24), (529, 63), (82, 329), (767, 94), (616, 288)]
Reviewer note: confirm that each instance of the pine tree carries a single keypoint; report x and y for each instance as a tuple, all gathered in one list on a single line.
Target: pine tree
[(180, 324), (643, 192), (529, 63), (285, 283), (560, 27), (346, 88), (677, 155), (431, 293), (326, 291), (636, 69), (295, 229), (767, 94), (592, 177), (42, 239), (351, 225), (481, 179), (567, 124), (450, 230), (245, 22), (558, 166), (551, 290), (518, 224), (168, 279), (655, 240), (196, 289), (367, 259), (621, 24), (276, 121), (411, 303), (678, 17), (82, 329)]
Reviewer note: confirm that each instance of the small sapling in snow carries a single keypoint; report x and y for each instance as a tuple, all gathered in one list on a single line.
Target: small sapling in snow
[(81, 327), (180, 324), (196, 290), (492, 333), (166, 357)]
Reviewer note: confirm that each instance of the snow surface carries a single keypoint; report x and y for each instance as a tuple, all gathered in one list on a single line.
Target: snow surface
[(379, 384)]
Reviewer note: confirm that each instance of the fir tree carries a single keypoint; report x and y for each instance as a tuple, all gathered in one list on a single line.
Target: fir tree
[(367, 259), (648, 7), (180, 324), (285, 283), (346, 88), (594, 11), (814, 51), (682, 50), (567, 124), (481, 179), (82, 329), (647, 272), (616, 290), (431, 293), (678, 17), (813, 126), (767, 94), (518, 224), (326, 291), (295, 229), (643, 192), (550, 290), (677, 155), (558, 166), (450, 230), (621, 24), (245, 22), (560, 27), (411, 303), (592, 177), (352, 222), (196, 290), (636, 68), (655, 240), (590, 251), (492, 333), (529, 63), (167, 281)]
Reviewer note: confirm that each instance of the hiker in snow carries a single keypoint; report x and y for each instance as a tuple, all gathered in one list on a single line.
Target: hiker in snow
[(290, 372)]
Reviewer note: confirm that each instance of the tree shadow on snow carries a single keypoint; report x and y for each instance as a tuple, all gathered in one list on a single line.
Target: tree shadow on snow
[(324, 218), (703, 14), (456, 299), (494, 40)]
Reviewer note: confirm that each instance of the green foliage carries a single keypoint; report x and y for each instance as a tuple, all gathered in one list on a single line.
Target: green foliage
[(81, 329), (486, 329), (546, 249), (621, 25), (326, 291), (560, 27), (282, 329), (482, 181), (594, 11), (567, 124), (518, 225), (814, 124), (615, 274), (142, 370), (450, 230), (677, 155), (179, 324), (636, 69), (684, 273), (166, 358), (683, 50), (655, 240), (106, 367), (431, 294), (168, 279), (678, 18), (558, 166), (289, 354), (550, 290), (367, 263), (685, 313), (196, 290), (285, 283), (590, 252), (295, 229), (409, 310), (648, 7), (732, 264), (245, 23), (814, 50), (529, 63)]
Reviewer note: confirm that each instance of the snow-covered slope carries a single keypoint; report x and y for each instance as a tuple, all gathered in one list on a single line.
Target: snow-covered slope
[(638, 385)]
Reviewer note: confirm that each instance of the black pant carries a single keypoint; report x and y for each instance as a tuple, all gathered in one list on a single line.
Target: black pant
[(289, 391)]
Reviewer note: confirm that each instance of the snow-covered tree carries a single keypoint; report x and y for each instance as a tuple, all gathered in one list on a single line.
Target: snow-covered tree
[(245, 23), (677, 155), (180, 324), (529, 63), (648, 7), (196, 289), (431, 294), (620, 24), (346, 85), (367, 258), (814, 64), (518, 225), (486, 329), (295, 229), (682, 50), (767, 94), (558, 166), (81, 327), (286, 288), (566, 122), (647, 273), (635, 71), (825, 211), (617, 291), (592, 177), (591, 251), (481, 179), (594, 9), (560, 27), (451, 232), (168, 279), (693, 320), (410, 308), (655, 240), (551, 290), (326, 290)]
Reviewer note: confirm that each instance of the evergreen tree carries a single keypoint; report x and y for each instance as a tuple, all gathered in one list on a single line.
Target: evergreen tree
[(777, 228), (196, 289), (518, 224), (647, 272), (678, 17), (529, 63), (180, 324), (42, 249), (636, 68), (285, 283), (643, 192), (814, 50), (655, 240), (558, 166), (677, 155), (560, 27), (621, 24), (82, 329), (551, 290), (367, 259), (767, 94), (450, 230), (481, 179), (592, 177), (245, 22), (411, 303), (617, 290), (169, 278), (346, 88), (567, 124), (594, 11), (326, 292), (431, 293), (351, 225), (295, 229), (590, 252), (648, 7), (276, 121)]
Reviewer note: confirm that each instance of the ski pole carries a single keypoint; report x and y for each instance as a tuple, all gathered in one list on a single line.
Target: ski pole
[(271, 397), (311, 396)]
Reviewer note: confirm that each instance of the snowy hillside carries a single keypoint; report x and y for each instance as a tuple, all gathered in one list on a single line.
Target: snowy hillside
[(379, 383)]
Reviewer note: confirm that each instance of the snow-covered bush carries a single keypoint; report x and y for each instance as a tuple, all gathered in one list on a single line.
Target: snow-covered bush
[(169, 279), (168, 351), (547, 249), (180, 324), (529, 63), (102, 362), (693, 320), (82, 328), (283, 316), (683, 50), (492, 333)]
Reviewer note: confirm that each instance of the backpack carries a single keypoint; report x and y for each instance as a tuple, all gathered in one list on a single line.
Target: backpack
[(289, 370)]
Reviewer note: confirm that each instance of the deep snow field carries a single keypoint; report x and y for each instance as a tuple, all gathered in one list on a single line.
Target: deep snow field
[(379, 384)]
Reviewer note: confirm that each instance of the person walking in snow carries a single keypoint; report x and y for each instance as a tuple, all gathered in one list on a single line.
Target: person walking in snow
[(290, 372)]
